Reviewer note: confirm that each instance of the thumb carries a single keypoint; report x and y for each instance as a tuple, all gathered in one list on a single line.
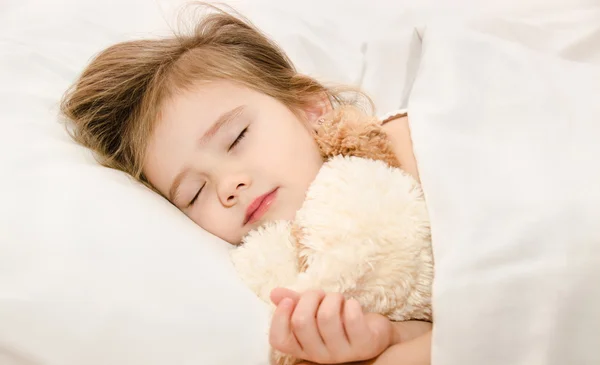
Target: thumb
[(278, 294)]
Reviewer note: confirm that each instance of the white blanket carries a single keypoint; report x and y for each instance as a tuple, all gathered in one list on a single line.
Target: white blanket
[(505, 118)]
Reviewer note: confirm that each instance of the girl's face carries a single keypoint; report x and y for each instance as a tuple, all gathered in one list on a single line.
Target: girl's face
[(232, 158)]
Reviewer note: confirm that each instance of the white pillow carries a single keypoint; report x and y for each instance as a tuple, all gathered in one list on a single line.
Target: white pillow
[(95, 269)]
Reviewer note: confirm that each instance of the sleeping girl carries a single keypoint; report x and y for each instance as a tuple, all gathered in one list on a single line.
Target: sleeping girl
[(219, 122)]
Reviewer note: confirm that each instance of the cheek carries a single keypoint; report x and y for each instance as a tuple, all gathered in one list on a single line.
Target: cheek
[(209, 215), (297, 142), (303, 162), (288, 152)]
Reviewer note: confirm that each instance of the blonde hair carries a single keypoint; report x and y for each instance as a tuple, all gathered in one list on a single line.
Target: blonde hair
[(115, 102)]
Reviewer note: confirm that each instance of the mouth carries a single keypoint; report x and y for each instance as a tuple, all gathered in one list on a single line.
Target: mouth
[(259, 207)]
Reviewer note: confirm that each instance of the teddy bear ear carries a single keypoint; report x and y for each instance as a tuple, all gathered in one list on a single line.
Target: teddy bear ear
[(348, 131)]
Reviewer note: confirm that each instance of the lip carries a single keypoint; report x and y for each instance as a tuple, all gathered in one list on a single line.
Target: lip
[(259, 207)]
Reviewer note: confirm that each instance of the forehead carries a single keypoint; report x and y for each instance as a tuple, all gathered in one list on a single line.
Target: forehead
[(204, 99)]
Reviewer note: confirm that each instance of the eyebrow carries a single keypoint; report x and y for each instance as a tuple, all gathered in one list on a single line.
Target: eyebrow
[(219, 124)]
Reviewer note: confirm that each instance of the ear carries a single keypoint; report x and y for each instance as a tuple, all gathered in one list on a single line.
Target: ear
[(318, 108)]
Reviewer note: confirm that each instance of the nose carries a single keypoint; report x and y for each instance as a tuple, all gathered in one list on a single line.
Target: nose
[(230, 187)]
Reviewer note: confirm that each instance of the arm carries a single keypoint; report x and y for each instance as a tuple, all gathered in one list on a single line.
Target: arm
[(398, 133), (416, 351)]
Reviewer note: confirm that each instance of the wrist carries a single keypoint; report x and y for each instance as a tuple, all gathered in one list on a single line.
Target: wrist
[(408, 330), (397, 333)]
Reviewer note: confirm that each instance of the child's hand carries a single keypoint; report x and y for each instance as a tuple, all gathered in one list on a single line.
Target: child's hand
[(326, 328)]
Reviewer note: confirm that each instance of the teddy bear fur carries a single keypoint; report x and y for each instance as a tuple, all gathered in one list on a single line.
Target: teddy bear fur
[(362, 231)]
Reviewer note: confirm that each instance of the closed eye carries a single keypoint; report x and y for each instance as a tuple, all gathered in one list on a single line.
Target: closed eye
[(196, 196), (238, 139)]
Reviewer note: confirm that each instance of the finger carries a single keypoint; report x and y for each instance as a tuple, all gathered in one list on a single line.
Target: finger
[(355, 324), (381, 331), (331, 326), (278, 294), (281, 336), (304, 326)]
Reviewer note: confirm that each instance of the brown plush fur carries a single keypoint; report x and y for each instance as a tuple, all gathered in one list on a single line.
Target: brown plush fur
[(350, 132)]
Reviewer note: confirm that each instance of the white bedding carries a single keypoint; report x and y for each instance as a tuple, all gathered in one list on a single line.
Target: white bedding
[(505, 117), (95, 269)]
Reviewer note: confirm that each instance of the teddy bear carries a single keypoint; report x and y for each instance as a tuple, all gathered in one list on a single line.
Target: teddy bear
[(363, 229)]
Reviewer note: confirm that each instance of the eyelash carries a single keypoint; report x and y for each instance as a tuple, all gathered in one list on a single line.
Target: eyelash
[(237, 140), (195, 196)]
